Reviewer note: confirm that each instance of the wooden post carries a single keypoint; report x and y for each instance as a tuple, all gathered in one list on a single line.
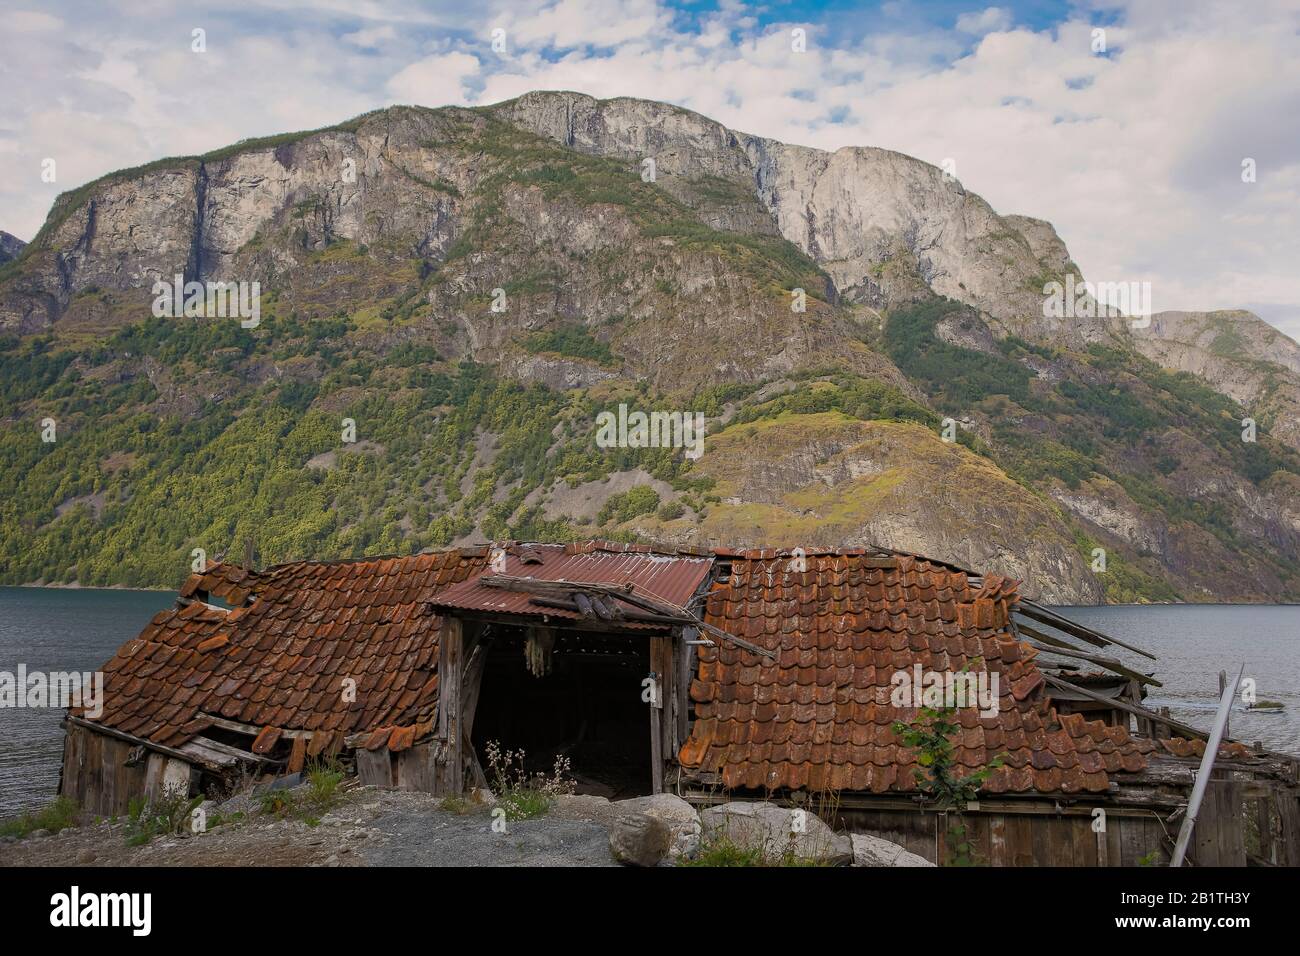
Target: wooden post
[(1103, 850), (471, 684), (656, 718), (450, 670), (1203, 774), (663, 664), (1141, 724)]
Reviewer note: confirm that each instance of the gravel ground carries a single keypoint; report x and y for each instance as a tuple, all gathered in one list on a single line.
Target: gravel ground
[(367, 828)]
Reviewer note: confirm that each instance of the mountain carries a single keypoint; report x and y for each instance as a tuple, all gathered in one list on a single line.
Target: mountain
[(10, 247), (471, 288)]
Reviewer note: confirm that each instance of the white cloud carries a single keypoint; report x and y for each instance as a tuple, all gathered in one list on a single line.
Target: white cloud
[(577, 23), (988, 20), (435, 79), (371, 38)]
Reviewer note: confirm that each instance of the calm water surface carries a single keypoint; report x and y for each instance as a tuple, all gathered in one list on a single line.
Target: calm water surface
[(78, 630), (1194, 642), (56, 629)]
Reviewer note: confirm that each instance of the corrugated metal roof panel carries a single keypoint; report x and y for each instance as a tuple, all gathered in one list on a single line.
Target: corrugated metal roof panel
[(673, 578)]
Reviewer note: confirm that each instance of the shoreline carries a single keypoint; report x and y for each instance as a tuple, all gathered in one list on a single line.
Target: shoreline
[(75, 586)]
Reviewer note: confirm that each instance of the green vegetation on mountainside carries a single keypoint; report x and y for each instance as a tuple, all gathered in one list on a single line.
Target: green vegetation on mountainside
[(124, 493), (1107, 412)]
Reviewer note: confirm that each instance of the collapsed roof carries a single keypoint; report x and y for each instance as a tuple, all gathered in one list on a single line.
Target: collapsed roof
[(792, 687)]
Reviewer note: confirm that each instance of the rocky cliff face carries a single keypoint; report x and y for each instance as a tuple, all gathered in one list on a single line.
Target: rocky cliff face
[(10, 247), (631, 249), (1240, 355), (886, 227)]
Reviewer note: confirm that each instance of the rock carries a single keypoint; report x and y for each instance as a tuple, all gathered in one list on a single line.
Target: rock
[(38, 834), (238, 803), (640, 839), (10, 247), (682, 820), (873, 851), (776, 831), (87, 856), (287, 782)]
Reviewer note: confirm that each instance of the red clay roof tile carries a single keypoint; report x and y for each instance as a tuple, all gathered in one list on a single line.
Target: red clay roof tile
[(845, 635)]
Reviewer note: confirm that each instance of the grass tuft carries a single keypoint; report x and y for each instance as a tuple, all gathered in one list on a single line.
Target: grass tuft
[(58, 815)]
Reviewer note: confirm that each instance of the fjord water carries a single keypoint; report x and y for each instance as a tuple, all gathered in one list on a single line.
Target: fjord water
[(56, 629), (1193, 642), (78, 630)]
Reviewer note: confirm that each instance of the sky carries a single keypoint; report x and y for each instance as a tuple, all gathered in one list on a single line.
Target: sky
[(1131, 140)]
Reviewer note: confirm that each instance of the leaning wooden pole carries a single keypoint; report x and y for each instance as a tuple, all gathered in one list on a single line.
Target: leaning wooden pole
[(1203, 774)]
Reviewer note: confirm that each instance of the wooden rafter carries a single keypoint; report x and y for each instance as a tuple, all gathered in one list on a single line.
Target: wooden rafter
[(644, 609)]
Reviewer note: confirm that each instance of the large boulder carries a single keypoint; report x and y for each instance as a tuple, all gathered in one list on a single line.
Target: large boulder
[(639, 839), (777, 832), (682, 820), (873, 851)]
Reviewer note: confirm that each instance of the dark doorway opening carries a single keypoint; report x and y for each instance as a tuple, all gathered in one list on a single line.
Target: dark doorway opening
[(586, 707)]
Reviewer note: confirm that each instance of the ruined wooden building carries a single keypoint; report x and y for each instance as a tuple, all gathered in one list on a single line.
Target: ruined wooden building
[(714, 674)]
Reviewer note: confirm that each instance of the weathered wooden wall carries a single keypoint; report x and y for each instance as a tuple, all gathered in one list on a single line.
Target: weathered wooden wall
[(95, 773), (410, 769), (1021, 839)]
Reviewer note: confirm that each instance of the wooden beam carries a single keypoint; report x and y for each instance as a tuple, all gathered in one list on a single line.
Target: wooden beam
[(239, 728), (670, 613), (656, 739), (1042, 806), (1041, 614), (220, 750), (140, 741), (577, 606), (1182, 728), (1066, 650), (471, 686), (1207, 765), (451, 648)]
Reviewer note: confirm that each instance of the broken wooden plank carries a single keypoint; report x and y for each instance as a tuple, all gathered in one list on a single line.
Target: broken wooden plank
[(668, 613), (226, 724), (130, 738), (1069, 650), (1207, 765), (1185, 729), (223, 754), (375, 768), (1037, 612)]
